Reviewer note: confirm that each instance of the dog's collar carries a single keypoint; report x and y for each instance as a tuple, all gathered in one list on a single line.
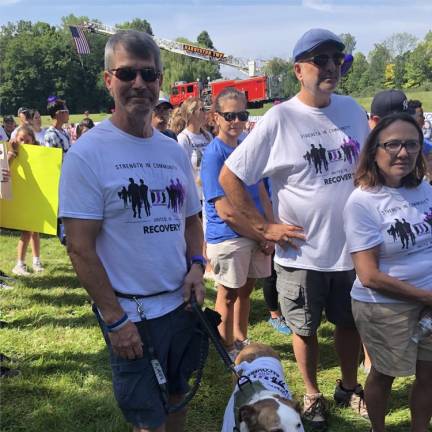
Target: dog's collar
[(243, 396)]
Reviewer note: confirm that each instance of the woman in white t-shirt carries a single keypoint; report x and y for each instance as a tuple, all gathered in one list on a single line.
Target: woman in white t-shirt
[(194, 138), (388, 224)]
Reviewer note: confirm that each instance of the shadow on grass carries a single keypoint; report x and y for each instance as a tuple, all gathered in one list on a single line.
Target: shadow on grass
[(88, 321), (51, 281), (64, 299)]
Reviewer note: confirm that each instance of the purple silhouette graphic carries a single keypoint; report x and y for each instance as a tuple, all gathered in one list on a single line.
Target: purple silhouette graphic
[(351, 150), (176, 195)]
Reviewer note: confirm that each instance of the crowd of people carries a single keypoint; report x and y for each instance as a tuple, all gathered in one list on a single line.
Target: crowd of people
[(329, 205)]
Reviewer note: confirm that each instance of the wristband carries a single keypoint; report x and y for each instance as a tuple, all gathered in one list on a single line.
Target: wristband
[(199, 259), (116, 326)]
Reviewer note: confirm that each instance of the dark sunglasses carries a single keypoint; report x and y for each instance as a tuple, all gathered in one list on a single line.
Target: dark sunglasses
[(322, 60), (231, 116), (393, 147), (129, 74)]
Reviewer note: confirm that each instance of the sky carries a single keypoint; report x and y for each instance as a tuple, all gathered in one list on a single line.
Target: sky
[(252, 29)]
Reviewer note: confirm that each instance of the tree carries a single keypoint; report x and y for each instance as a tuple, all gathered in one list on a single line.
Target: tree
[(354, 81), (379, 57), (418, 66), (399, 43), (349, 41), (137, 24), (277, 67), (204, 40)]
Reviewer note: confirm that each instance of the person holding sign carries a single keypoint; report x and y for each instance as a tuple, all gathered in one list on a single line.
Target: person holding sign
[(25, 135)]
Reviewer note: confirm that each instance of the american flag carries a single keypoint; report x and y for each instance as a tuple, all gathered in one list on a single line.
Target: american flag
[(81, 43)]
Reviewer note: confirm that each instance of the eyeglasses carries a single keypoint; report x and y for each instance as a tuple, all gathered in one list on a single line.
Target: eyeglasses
[(321, 60), (393, 147), (129, 74), (231, 116)]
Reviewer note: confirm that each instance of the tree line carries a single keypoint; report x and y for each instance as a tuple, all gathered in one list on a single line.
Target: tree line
[(39, 60)]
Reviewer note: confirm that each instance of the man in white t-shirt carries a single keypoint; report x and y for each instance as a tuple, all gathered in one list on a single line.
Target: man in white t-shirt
[(139, 268), (308, 147)]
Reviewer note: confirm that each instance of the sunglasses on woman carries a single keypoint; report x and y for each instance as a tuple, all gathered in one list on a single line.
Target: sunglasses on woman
[(231, 116), (393, 147), (129, 74), (321, 60)]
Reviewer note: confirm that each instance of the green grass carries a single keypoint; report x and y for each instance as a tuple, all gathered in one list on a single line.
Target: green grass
[(65, 380), (424, 96)]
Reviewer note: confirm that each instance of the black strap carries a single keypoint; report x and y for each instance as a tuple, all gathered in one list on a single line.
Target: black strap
[(142, 296)]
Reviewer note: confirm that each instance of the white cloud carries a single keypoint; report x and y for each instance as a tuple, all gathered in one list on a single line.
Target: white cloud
[(319, 5), (9, 2)]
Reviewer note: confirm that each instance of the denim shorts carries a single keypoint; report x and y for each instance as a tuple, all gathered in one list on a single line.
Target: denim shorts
[(305, 294), (177, 341)]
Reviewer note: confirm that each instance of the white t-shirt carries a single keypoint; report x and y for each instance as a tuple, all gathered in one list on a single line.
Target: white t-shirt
[(142, 189), (268, 371), (40, 136), (399, 220), (194, 145), (310, 156)]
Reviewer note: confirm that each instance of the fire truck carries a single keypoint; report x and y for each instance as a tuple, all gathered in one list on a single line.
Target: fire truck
[(257, 88)]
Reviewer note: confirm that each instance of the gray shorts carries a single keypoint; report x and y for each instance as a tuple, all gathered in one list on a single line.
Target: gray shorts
[(304, 294), (177, 344)]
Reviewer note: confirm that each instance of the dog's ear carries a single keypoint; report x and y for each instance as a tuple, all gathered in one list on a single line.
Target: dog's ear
[(248, 414)]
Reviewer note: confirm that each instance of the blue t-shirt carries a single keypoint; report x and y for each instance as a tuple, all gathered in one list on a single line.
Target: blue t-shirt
[(214, 157), (427, 146)]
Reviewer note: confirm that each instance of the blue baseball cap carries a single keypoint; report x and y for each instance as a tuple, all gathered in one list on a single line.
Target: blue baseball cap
[(312, 39)]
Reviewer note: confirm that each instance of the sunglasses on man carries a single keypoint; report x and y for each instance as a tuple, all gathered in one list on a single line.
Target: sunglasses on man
[(231, 116), (321, 60), (129, 74)]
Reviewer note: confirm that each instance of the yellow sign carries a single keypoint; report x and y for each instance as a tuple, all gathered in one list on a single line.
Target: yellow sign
[(35, 177)]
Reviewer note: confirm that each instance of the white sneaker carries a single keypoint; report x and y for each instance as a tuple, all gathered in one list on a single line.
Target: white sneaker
[(20, 270), (38, 267)]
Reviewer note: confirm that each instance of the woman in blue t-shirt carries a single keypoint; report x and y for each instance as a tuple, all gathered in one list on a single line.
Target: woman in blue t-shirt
[(236, 255)]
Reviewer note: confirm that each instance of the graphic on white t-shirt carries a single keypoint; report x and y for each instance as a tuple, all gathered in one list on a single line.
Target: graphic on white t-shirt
[(142, 197), (405, 232)]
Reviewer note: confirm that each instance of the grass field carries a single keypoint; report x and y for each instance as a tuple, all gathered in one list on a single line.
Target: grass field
[(65, 380)]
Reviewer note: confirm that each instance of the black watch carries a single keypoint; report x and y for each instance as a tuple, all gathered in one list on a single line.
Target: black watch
[(199, 259)]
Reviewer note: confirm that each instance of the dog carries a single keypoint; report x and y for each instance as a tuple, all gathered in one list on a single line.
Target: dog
[(263, 400)]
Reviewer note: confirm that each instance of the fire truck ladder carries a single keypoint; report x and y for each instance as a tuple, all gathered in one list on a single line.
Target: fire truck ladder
[(250, 67)]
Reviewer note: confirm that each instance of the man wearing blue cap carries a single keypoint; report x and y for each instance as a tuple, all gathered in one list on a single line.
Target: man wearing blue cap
[(308, 147)]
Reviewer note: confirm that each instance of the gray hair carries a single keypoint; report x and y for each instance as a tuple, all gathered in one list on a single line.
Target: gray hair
[(139, 44), (228, 93)]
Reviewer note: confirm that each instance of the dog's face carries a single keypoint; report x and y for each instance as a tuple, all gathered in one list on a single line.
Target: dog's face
[(275, 414)]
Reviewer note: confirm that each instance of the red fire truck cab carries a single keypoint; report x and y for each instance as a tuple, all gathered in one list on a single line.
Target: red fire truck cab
[(257, 90)]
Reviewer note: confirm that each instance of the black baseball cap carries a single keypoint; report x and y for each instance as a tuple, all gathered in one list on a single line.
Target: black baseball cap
[(388, 102)]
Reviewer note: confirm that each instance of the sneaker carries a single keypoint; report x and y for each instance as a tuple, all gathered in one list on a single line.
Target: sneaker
[(351, 398), (38, 267), (239, 345), (315, 411), (20, 270), (3, 275), (6, 372), (280, 325), (4, 285)]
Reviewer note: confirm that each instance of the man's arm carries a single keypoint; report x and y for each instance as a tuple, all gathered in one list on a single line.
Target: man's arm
[(81, 246), (194, 246), (237, 194)]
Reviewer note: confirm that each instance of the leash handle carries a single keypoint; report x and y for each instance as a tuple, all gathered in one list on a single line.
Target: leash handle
[(214, 338)]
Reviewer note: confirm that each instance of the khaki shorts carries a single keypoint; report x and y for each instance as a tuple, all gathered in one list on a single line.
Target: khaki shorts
[(236, 260), (386, 330)]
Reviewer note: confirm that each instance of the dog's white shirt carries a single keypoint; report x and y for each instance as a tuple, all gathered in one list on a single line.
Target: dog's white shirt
[(269, 372)]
